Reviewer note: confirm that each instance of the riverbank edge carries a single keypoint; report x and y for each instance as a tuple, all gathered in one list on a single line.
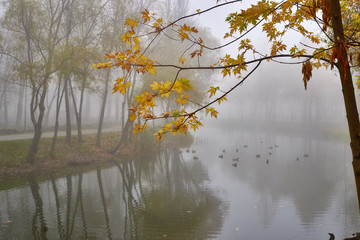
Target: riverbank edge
[(75, 156)]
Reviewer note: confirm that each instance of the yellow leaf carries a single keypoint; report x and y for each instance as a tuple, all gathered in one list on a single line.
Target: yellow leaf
[(145, 15), (130, 23), (132, 116), (182, 60), (136, 47), (152, 70), (212, 111), (212, 90), (167, 127)]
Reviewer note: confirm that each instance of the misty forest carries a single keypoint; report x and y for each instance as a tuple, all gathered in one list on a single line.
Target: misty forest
[(179, 119)]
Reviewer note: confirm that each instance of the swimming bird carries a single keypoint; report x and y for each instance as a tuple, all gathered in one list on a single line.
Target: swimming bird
[(221, 156), (236, 159), (234, 164), (257, 155), (267, 161), (306, 155), (195, 158)]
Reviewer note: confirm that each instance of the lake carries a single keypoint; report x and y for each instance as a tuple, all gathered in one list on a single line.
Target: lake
[(231, 183)]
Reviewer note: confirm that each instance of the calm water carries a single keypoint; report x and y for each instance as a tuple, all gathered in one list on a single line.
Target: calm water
[(282, 187)]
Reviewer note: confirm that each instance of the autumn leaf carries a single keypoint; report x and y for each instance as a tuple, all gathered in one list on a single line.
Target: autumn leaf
[(182, 60), (145, 15), (212, 111), (131, 23), (213, 90), (307, 72), (132, 116)]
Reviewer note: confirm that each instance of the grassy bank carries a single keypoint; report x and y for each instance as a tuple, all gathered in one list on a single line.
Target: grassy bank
[(71, 156), (13, 154)]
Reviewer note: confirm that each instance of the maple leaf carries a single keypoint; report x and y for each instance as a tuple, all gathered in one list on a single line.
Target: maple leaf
[(159, 135), (132, 116), (182, 99), (307, 72), (213, 90), (182, 60), (131, 23), (212, 112), (145, 15)]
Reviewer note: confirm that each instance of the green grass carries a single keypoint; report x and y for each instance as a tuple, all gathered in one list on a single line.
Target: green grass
[(14, 153)]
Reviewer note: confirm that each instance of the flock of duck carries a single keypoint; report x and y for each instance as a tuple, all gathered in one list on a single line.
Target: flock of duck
[(236, 159)]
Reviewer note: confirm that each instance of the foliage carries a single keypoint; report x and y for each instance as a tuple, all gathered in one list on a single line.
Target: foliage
[(276, 19)]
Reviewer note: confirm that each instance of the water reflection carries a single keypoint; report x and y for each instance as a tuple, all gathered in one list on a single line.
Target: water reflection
[(38, 221), (304, 191), (162, 196)]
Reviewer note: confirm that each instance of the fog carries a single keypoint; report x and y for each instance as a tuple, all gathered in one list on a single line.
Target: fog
[(274, 92), (275, 163)]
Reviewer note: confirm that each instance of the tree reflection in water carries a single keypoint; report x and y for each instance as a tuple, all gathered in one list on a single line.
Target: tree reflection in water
[(146, 198), (167, 197), (39, 227)]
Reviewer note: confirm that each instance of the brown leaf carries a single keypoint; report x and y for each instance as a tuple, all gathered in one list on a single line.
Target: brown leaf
[(307, 72)]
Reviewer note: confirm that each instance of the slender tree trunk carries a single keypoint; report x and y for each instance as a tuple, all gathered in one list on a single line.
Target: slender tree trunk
[(67, 109), (77, 113), (102, 112), (87, 108), (123, 113), (58, 105), (6, 112), (49, 106), (124, 136), (37, 122), (25, 109), (348, 91), (20, 105), (117, 108)]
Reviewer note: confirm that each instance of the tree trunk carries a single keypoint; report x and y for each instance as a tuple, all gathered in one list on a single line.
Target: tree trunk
[(124, 136), (77, 113), (36, 104), (348, 91), (106, 91), (49, 107), (67, 108), (6, 115), (20, 107), (58, 105)]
